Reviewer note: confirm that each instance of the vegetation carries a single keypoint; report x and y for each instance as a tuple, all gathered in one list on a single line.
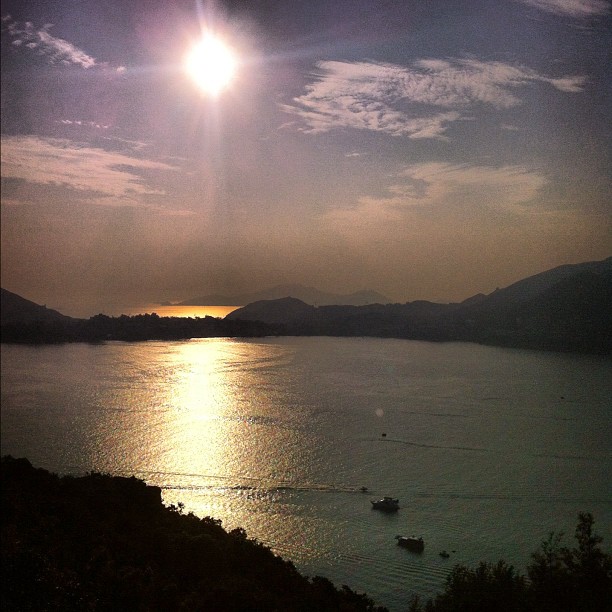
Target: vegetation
[(130, 328), (571, 315), (564, 309), (107, 543), (559, 579)]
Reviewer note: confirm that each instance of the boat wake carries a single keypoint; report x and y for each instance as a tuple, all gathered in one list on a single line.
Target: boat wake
[(421, 445), (486, 450)]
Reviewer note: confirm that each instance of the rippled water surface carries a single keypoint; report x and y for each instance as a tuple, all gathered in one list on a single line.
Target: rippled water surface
[(488, 449)]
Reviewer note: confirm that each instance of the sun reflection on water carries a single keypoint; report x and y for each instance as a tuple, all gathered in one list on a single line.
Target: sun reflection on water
[(196, 423), (278, 435), (226, 427), (226, 443)]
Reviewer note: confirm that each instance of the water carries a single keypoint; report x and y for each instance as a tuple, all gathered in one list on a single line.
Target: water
[(175, 310), (488, 449)]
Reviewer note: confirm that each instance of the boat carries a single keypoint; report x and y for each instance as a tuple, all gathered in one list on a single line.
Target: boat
[(411, 543), (389, 504)]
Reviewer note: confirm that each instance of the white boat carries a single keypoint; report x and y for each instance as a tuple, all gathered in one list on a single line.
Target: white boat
[(389, 504), (411, 543)]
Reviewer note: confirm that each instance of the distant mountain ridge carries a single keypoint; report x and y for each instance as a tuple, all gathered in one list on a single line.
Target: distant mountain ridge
[(566, 308), (530, 287), (309, 295), (25, 322)]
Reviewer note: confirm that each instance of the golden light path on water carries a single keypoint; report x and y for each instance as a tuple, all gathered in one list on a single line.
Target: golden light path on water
[(278, 436), (214, 435)]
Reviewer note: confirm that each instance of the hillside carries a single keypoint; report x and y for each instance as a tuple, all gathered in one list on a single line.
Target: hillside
[(533, 286), (25, 322), (108, 543), (309, 295), (14, 308), (566, 309)]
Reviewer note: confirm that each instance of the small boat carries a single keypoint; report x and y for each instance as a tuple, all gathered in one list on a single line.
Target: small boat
[(389, 504), (411, 543)]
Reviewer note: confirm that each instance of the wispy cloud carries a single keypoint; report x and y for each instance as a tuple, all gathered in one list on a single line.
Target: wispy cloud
[(572, 8), (437, 182), (57, 50), (81, 122), (110, 175), (378, 97), (442, 186)]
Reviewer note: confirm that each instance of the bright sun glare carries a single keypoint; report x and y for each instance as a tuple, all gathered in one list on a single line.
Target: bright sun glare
[(211, 64)]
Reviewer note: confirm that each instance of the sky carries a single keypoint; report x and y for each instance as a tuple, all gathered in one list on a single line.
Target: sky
[(426, 150)]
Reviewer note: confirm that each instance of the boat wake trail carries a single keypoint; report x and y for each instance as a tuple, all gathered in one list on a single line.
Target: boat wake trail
[(420, 445), (194, 482), (568, 457)]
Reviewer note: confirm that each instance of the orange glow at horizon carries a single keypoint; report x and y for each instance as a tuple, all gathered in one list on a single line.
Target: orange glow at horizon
[(175, 310)]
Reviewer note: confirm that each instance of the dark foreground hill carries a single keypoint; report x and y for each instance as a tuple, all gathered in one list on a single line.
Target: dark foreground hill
[(107, 544), (103, 543), (568, 308)]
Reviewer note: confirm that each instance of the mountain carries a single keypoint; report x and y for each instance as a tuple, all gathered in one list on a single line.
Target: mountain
[(15, 309), (298, 318), (567, 309), (531, 287), (102, 542), (287, 311), (25, 322), (309, 295)]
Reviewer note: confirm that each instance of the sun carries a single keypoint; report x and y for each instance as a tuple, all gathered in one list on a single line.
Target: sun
[(211, 64)]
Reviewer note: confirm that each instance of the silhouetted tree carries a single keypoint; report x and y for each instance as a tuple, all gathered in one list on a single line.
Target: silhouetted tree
[(488, 587), (577, 579), (548, 575), (559, 579), (108, 544)]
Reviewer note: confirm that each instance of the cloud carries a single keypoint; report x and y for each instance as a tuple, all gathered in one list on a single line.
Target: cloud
[(81, 122), (378, 96), (442, 187), (572, 8), (57, 50), (570, 84), (115, 177), (443, 182)]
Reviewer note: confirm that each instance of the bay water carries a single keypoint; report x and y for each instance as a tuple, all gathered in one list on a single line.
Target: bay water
[(488, 449)]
